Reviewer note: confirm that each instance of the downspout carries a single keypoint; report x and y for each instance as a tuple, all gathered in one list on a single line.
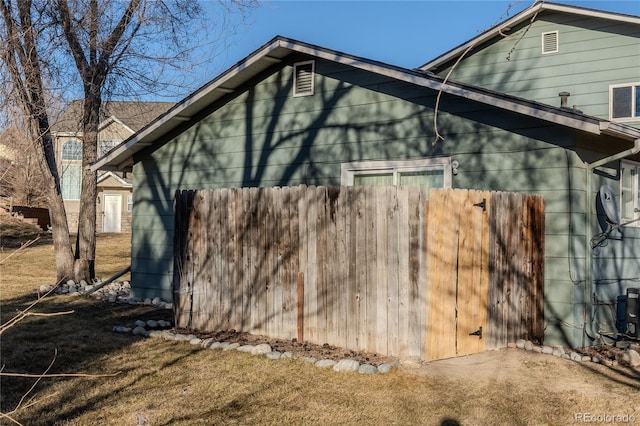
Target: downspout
[(588, 282)]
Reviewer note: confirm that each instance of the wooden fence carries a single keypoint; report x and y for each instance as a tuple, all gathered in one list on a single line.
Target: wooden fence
[(379, 269)]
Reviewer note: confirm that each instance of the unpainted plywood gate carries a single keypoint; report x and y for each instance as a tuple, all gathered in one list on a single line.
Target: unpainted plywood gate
[(379, 269)]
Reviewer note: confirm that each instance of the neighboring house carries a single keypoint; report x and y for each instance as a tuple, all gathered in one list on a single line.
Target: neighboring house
[(118, 121), (549, 48)]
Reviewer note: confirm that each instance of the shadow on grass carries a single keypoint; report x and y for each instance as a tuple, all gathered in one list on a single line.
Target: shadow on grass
[(83, 341)]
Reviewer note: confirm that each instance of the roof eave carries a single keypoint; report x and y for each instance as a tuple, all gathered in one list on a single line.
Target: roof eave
[(121, 157), (526, 14)]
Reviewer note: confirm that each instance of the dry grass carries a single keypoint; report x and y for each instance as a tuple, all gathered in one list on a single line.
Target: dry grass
[(173, 383)]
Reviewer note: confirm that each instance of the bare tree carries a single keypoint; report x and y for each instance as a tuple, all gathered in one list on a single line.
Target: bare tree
[(23, 64), (116, 47), (20, 176)]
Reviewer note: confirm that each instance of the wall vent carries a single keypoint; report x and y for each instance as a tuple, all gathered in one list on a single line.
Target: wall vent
[(303, 77), (550, 42)]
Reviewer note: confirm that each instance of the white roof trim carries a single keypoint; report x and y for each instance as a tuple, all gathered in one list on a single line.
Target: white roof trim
[(525, 15), (114, 119), (123, 182), (120, 157)]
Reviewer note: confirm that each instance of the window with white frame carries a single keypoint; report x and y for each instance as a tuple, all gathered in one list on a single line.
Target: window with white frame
[(624, 102), (629, 192), (71, 163), (428, 173), (106, 146), (129, 202)]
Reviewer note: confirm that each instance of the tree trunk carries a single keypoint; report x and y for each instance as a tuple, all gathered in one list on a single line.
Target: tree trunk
[(84, 267), (57, 213)]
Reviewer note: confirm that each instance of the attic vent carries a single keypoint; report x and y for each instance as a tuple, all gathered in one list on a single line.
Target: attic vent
[(550, 42), (303, 78)]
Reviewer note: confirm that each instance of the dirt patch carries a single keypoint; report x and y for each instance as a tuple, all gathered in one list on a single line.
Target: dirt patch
[(301, 349)]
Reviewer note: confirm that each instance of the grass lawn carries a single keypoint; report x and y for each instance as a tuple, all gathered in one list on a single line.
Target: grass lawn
[(174, 383)]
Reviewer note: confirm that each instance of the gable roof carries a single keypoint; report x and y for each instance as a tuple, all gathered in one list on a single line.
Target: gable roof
[(123, 182), (276, 50), (526, 15), (131, 114)]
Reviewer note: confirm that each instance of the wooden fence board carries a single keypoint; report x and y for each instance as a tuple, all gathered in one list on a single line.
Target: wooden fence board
[(393, 308), (384, 270)]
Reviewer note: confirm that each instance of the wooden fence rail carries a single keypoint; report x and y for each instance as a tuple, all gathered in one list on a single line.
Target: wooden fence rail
[(353, 260)]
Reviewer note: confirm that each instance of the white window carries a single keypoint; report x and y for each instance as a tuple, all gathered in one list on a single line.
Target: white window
[(303, 78), (624, 102), (106, 146), (629, 192), (427, 173), (71, 176), (129, 202), (550, 42)]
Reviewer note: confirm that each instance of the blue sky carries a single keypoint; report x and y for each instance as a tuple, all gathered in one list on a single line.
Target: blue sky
[(404, 33)]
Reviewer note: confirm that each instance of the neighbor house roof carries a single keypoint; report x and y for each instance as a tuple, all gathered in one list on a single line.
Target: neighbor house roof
[(496, 32), (276, 50), (131, 114)]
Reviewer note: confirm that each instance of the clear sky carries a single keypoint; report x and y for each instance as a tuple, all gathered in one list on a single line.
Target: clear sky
[(404, 33)]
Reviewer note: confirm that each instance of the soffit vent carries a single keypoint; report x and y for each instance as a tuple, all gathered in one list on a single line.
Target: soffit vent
[(550, 42), (303, 78)]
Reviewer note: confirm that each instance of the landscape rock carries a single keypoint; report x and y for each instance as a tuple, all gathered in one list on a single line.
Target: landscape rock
[(274, 355), (520, 343), (140, 331), (325, 363), (230, 346), (575, 356), (367, 369), (387, 367), (548, 350), (216, 345), (261, 349), (140, 323), (511, 345), (309, 359), (346, 365), (288, 355), (152, 323), (537, 349), (156, 301), (245, 348), (630, 357), (528, 345), (195, 341), (207, 342)]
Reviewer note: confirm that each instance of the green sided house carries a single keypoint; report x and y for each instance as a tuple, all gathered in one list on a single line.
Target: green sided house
[(293, 113)]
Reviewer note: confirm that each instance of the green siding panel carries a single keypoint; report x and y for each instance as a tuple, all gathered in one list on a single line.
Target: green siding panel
[(259, 140), (593, 54)]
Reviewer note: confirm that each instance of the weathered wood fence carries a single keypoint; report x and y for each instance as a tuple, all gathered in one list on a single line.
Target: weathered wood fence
[(370, 268)]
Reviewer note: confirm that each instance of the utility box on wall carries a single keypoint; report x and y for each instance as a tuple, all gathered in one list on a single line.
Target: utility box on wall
[(633, 312)]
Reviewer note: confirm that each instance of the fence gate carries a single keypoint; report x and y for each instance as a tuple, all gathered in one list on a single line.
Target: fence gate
[(484, 271), (379, 269)]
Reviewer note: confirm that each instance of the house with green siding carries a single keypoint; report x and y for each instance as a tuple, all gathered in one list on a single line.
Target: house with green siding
[(292, 113)]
